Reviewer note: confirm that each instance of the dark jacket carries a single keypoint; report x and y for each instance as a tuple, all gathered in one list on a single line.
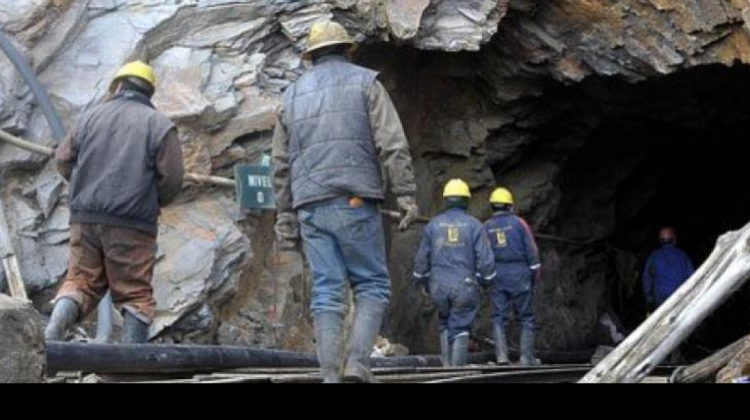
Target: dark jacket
[(123, 162), (666, 270)]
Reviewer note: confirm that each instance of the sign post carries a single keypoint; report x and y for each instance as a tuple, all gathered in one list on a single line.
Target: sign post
[(255, 186)]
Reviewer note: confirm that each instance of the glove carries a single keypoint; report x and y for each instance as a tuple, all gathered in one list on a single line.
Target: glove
[(537, 274), (426, 290), (483, 284), (410, 209), (423, 284), (287, 231)]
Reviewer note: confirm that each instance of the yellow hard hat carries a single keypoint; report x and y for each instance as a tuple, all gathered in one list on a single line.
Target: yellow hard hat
[(137, 69), (502, 196), (326, 34), (457, 188)]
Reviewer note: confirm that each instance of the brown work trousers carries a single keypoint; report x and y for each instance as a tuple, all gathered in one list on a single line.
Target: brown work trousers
[(111, 258)]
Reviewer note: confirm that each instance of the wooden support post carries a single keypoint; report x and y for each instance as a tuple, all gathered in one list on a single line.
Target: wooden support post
[(706, 370), (49, 152), (726, 270), (9, 259)]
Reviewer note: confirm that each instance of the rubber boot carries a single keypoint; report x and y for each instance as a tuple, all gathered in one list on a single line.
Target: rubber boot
[(368, 318), (445, 349), (501, 346), (104, 322), (460, 350), (528, 341), (63, 317), (135, 330), (329, 331)]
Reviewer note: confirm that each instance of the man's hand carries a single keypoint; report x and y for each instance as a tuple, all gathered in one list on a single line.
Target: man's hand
[(410, 209), (287, 231), (423, 284)]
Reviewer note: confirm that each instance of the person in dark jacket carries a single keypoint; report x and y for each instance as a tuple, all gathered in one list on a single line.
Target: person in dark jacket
[(337, 135), (518, 268), (454, 257), (124, 163), (666, 270)]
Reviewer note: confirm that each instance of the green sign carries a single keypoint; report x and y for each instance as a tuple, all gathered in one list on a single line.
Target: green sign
[(255, 187)]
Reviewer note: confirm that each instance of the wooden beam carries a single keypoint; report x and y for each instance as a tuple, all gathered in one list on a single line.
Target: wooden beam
[(49, 152), (706, 370), (26, 145), (726, 270), (9, 259)]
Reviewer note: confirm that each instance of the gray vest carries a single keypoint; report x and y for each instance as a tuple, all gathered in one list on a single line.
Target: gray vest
[(331, 148), (114, 182)]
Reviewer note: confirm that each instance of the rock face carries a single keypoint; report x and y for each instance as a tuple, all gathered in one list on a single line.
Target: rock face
[(22, 357), (489, 90), (202, 254)]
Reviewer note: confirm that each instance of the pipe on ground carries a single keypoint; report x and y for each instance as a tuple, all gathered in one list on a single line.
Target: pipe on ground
[(152, 359)]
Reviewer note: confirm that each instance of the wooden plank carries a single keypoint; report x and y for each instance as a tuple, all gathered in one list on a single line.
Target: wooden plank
[(26, 145), (726, 270), (10, 261), (425, 377), (706, 370), (256, 379), (269, 371), (49, 152), (534, 376), (297, 379)]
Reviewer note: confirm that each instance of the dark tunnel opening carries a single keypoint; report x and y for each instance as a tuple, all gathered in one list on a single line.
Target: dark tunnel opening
[(627, 159), (667, 152)]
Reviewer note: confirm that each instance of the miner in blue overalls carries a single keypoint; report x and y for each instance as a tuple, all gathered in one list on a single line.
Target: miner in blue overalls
[(518, 268), (454, 257), (667, 269)]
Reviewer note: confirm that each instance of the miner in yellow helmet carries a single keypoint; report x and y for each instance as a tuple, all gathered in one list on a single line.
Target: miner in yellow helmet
[(124, 163), (453, 259), (337, 132), (518, 268)]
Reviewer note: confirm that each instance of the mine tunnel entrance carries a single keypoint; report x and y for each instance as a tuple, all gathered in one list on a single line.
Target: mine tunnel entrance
[(667, 152), (626, 160)]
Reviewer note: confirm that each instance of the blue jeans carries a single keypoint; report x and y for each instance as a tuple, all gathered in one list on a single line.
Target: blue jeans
[(345, 245)]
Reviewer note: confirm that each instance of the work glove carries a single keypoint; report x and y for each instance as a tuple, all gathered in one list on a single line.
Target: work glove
[(423, 284), (537, 274), (410, 210), (426, 290), (287, 231), (483, 284)]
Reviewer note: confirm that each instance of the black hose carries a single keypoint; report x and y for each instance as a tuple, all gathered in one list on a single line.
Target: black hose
[(149, 359), (56, 125), (104, 334)]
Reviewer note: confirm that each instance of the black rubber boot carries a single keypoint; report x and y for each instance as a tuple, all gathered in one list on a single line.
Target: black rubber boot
[(135, 330), (63, 317)]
